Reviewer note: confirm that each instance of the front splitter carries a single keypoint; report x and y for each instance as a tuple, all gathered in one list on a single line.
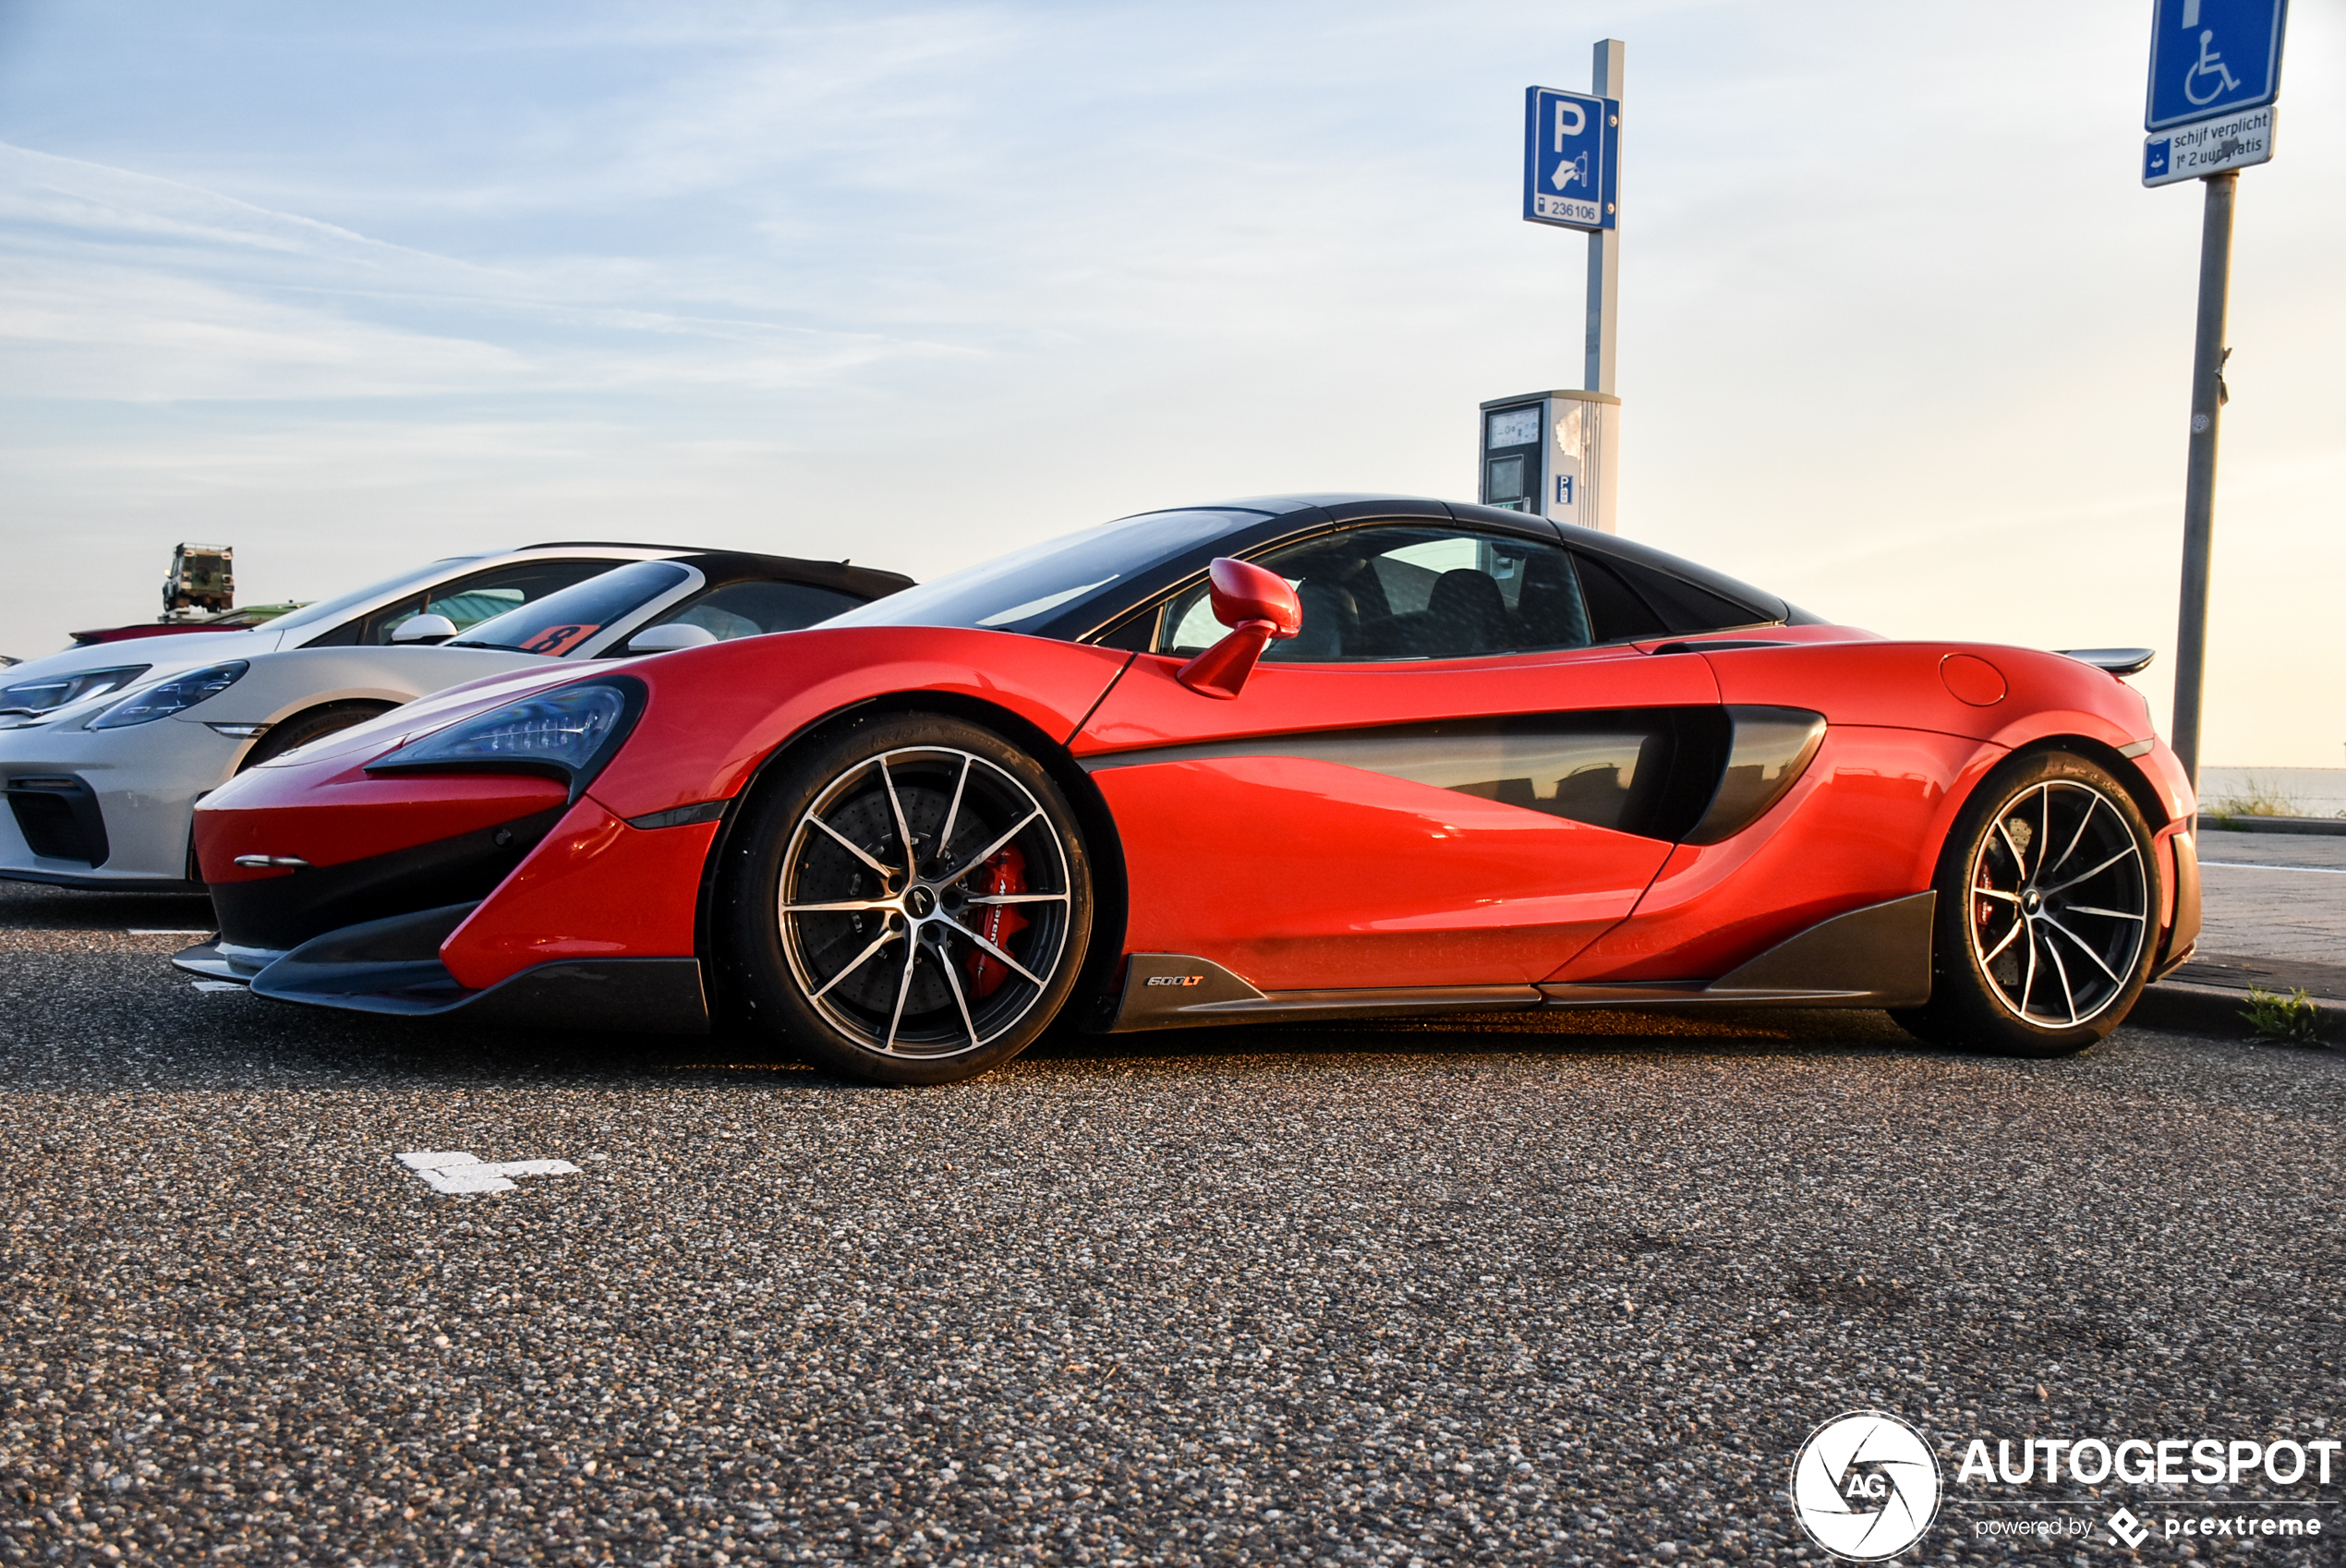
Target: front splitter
[(392, 967)]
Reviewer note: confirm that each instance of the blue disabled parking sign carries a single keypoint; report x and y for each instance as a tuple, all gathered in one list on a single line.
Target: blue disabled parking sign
[(1571, 158), (2211, 57)]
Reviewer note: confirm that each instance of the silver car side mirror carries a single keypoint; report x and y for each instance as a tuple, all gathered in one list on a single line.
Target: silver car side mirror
[(667, 639), (424, 629)]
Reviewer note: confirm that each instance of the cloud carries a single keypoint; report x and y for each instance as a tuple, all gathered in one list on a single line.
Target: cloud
[(1903, 337)]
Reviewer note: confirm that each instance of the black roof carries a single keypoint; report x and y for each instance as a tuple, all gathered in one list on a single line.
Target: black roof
[(1296, 513), (1136, 561), (726, 565)]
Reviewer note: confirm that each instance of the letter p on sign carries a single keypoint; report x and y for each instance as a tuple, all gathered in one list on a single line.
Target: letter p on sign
[(1571, 120)]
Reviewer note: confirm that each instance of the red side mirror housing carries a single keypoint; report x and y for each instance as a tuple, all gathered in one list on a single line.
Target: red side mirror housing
[(1258, 606)]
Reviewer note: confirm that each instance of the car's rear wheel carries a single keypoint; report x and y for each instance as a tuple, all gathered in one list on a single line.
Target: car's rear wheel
[(910, 902), (2048, 909)]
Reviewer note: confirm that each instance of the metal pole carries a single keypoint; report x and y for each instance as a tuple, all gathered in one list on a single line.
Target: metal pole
[(2199, 485), (1605, 245)]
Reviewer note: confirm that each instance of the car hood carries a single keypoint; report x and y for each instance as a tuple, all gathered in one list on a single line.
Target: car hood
[(187, 650)]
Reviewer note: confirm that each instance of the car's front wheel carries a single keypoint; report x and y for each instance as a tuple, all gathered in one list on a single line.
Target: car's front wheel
[(304, 728), (2048, 911), (909, 900)]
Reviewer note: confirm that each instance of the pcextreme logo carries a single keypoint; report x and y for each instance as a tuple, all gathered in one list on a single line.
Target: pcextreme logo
[(1865, 1486)]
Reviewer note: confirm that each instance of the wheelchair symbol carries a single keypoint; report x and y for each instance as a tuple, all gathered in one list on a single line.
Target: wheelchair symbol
[(2210, 68), (1576, 169)]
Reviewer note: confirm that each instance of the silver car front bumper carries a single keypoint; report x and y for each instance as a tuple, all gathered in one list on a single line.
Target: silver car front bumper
[(108, 808)]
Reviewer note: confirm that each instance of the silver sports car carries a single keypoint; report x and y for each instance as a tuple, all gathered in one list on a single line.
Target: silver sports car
[(103, 767)]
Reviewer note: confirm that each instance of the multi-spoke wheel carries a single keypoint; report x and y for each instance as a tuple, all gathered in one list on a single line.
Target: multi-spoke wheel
[(2047, 912), (910, 901)]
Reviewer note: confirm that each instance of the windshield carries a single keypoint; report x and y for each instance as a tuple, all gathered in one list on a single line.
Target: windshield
[(1016, 592), (561, 622), (329, 609)]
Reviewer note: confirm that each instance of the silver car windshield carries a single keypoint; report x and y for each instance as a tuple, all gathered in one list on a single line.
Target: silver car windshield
[(335, 608), (561, 622)]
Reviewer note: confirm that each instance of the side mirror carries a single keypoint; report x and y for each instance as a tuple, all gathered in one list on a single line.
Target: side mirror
[(667, 639), (424, 629), (1257, 605)]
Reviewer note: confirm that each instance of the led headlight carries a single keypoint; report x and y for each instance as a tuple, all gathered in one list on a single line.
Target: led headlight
[(174, 695), (59, 690), (567, 733)]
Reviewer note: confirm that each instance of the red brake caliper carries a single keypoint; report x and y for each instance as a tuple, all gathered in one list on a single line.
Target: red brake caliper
[(1006, 872)]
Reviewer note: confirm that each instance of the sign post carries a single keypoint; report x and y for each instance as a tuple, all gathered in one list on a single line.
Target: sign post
[(1605, 245), (1553, 452), (2215, 72)]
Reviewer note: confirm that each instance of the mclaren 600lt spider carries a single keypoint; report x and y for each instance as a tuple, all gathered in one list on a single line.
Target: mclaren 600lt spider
[(1305, 757)]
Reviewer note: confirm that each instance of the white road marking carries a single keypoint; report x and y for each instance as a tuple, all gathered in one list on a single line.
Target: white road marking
[(217, 985), (455, 1170), (2259, 865), (168, 931)]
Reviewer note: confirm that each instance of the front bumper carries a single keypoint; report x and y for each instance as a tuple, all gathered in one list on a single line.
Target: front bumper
[(491, 894), (108, 808)]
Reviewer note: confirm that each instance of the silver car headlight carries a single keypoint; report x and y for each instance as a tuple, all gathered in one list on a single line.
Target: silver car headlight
[(48, 693), (174, 695)]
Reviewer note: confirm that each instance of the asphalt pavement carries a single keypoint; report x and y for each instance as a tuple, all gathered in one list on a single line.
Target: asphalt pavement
[(1554, 1288), (2276, 913)]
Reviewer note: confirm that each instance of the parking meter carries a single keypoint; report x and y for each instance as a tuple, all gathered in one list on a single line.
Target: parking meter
[(1553, 453)]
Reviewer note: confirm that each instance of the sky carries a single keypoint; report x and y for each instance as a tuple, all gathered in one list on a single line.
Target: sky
[(1903, 337)]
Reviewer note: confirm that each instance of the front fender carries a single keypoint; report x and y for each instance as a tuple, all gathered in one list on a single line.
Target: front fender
[(716, 712), (279, 685)]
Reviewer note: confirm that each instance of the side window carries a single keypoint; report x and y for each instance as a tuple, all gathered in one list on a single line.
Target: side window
[(752, 609), (1408, 591), (467, 601), (1629, 599), (1616, 612)]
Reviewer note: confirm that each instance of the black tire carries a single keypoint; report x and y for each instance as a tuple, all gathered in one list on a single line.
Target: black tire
[(304, 728), (2047, 912), (907, 986)]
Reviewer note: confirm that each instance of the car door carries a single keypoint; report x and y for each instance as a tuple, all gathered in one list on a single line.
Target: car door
[(1439, 782)]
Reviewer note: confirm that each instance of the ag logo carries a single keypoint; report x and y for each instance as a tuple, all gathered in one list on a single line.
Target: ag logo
[(1866, 1485)]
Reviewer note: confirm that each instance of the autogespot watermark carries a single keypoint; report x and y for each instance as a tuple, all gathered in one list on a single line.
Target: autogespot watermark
[(1866, 1485)]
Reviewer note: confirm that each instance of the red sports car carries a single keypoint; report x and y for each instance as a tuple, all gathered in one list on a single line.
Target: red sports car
[(1300, 757)]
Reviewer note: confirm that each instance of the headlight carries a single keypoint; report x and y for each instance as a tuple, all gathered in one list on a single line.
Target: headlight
[(57, 691), (174, 695), (568, 734)]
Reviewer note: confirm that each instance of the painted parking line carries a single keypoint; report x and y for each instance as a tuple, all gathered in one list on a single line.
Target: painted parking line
[(168, 931), (455, 1170), (2259, 865), (217, 985)]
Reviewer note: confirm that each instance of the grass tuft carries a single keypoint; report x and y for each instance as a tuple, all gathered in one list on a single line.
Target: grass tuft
[(2256, 798), (2295, 1018)]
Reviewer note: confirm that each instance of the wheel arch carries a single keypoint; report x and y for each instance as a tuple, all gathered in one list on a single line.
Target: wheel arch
[(364, 705), (1109, 889), (1987, 767)]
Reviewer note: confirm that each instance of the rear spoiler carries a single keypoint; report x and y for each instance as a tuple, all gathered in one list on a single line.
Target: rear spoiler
[(2117, 661)]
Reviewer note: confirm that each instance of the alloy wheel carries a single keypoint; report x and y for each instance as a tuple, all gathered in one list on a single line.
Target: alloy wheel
[(2060, 904), (924, 902)]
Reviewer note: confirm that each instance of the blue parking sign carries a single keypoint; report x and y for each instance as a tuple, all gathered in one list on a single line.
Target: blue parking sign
[(2210, 57), (1571, 158)]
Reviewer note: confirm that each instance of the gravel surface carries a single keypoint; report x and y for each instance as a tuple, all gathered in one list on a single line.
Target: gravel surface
[(1558, 1288)]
